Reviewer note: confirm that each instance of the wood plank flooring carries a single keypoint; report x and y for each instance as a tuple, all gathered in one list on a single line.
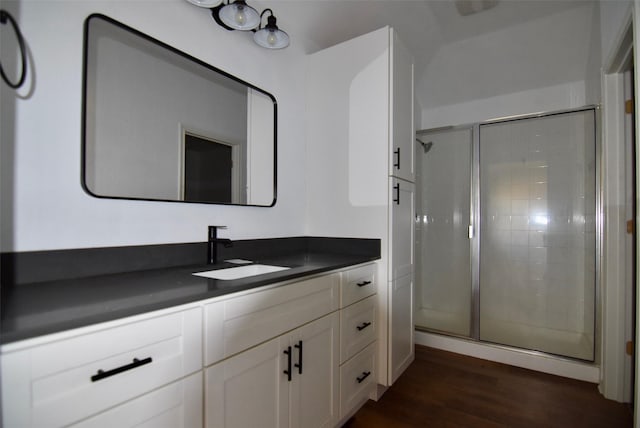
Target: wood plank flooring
[(443, 389)]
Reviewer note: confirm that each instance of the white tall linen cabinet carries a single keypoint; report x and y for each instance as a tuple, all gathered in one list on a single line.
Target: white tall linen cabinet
[(360, 170)]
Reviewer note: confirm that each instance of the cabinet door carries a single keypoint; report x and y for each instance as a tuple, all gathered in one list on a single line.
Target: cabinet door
[(401, 349), (249, 389), (177, 405), (314, 395), (401, 233), (401, 158)]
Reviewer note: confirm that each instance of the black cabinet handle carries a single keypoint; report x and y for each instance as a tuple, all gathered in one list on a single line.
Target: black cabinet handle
[(363, 283), (397, 198), (136, 363), (363, 326), (363, 377), (299, 364), (288, 370), (397, 162)]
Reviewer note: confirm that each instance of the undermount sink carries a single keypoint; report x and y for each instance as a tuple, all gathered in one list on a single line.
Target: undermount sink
[(240, 271)]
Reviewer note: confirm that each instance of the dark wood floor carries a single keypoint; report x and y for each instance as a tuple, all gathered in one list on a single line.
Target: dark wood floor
[(442, 389)]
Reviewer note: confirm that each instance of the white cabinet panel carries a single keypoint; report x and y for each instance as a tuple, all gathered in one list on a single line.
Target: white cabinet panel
[(236, 324), (401, 349), (402, 211), (401, 158), (177, 405), (61, 382)]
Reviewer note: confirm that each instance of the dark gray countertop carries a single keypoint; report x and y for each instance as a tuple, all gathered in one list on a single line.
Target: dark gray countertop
[(43, 307)]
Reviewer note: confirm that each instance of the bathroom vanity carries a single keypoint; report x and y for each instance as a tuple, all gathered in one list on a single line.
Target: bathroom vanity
[(295, 347), (131, 337)]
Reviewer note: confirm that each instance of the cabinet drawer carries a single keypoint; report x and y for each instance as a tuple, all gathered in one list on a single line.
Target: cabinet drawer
[(177, 405), (239, 323), (67, 380), (358, 283), (357, 380), (358, 327)]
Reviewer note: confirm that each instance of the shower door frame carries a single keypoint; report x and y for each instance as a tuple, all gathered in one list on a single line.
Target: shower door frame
[(472, 230), (475, 230)]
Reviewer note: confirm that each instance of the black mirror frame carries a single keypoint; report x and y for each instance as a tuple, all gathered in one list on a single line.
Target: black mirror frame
[(190, 58)]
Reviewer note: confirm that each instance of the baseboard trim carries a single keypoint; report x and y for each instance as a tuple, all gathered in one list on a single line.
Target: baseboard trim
[(542, 363)]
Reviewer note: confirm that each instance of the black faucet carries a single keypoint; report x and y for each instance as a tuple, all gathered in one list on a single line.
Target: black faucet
[(212, 253)]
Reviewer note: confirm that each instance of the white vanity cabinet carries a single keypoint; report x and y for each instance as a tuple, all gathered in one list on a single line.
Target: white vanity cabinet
[(360, 122), (300, 353), (289, 381), (70, 377), (358, 336), (279, 349)]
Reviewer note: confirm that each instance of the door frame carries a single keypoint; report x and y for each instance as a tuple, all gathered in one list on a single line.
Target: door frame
[(616, 319), (236, 178)]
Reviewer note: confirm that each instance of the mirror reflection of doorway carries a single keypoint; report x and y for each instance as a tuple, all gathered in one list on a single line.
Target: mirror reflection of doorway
[(208, 170)]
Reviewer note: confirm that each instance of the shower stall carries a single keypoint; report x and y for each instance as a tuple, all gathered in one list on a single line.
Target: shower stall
[(507, 232)]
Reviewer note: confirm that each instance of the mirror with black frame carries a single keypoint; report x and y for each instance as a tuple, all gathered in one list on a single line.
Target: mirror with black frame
[(159, 124)]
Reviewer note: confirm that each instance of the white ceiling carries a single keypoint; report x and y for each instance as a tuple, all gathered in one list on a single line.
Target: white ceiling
[(425, 26), (318, 24)]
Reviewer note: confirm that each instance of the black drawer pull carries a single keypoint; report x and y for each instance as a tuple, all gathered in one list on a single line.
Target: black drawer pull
[(288, 370), (136, 363), (397, 153), (397, 198), (363, 283), (299, 363), (363, 326), (363, 377)]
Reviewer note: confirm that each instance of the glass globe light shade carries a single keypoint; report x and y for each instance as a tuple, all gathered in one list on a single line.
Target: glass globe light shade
[(271, 37), (205, 3), (239, 16)]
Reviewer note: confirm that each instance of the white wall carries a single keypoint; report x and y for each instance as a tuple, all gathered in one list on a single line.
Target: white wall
[(347, 136), (557, 97), (550, 63), (612, 17), (43, 205)]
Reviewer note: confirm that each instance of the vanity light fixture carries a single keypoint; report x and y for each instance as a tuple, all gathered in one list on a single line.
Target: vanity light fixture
[(270, 36), (238, 15)]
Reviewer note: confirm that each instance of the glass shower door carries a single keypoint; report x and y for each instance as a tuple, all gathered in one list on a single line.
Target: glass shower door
[(443, 207), (538, 233)]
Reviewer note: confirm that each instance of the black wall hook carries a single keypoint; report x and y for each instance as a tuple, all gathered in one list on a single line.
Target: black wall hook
[(4, 17)]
